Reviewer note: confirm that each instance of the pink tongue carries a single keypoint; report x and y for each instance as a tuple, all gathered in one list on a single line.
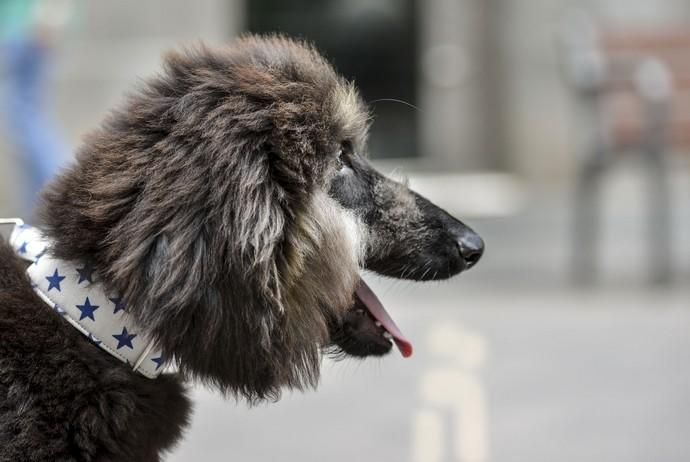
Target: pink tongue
[(371, 301)]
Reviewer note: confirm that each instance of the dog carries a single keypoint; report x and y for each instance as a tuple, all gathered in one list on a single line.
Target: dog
[(231, 203)]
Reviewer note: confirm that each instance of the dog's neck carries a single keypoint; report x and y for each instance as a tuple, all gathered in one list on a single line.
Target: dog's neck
[(70, 290)]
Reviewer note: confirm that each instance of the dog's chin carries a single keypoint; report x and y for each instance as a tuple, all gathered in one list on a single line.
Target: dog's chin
[(360, 335), (366, 329), (430, 268)]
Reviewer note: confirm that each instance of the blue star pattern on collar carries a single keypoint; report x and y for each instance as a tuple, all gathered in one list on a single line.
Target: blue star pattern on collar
[(87, 310), (159, 361), (69, 289), (54, 281), (85, 273), (124, 339), (119, 304)]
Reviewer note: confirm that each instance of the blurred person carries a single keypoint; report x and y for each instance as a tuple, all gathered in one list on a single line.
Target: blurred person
[(28, 32)]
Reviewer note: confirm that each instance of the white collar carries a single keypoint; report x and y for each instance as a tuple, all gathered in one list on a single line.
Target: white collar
[(69, 289)]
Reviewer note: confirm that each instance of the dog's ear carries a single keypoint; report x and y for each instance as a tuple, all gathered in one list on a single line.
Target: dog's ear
[(198, 258)]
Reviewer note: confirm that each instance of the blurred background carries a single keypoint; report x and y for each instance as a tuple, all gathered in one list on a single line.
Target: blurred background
[(559, 130)]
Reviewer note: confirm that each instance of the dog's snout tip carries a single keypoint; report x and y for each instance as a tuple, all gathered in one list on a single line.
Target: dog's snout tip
[(471, 248)]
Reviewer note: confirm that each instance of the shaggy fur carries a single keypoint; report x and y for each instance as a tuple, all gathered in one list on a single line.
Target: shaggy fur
[(231, 202)]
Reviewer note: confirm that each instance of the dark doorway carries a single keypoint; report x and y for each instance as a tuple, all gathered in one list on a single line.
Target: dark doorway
[(372, 43)]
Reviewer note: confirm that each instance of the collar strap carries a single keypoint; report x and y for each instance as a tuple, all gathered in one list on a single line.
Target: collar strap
[(69, 289)]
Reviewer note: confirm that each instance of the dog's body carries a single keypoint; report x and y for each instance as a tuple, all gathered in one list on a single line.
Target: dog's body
[(63, 399), (231, 204)]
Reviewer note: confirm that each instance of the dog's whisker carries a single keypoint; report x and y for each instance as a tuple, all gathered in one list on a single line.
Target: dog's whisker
[(395, 100)]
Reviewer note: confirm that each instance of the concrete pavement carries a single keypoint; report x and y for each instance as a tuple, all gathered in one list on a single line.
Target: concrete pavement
[(503, 376)]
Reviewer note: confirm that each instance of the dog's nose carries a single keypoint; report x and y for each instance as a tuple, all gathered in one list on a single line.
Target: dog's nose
[(471, 248)]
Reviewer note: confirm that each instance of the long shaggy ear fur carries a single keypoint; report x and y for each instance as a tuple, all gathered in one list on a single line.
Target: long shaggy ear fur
[(202, 202)]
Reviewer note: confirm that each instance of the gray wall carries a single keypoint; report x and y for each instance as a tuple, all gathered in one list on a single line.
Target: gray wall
[(112, 44)]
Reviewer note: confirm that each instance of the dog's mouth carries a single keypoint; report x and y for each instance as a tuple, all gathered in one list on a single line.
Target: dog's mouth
[(382, 319)]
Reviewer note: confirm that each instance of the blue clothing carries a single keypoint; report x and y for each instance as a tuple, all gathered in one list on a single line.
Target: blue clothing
[(39, 146)]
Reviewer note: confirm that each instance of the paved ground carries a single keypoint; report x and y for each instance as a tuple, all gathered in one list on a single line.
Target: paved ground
[(501, 376)]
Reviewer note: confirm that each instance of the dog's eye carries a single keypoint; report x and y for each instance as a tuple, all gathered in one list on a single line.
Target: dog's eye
[(344, 156)]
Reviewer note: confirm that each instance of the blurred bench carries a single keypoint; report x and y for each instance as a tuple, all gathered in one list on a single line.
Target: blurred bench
[(633, 88)]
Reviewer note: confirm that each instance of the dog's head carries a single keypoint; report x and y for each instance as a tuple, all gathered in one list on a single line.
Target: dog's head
[(231, 202)]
